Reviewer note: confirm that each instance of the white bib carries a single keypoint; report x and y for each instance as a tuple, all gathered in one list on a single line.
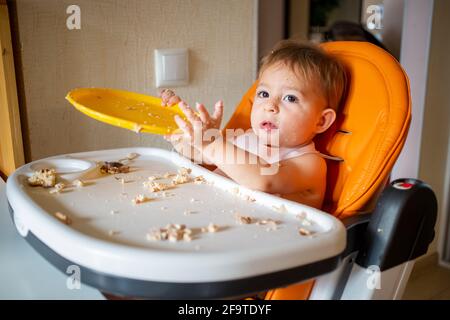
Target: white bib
[(249, 142)]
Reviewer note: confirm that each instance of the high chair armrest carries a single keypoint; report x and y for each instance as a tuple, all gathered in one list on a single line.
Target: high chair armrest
[(401, 227)]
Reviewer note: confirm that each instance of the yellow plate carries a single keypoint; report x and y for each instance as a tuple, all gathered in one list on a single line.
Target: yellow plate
[(129, 110)]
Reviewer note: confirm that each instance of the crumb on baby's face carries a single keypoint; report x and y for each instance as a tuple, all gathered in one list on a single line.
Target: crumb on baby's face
[(288, 110)]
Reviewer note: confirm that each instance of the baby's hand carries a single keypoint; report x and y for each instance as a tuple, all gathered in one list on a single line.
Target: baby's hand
[(168, 98), (184, 142), (200, 122)]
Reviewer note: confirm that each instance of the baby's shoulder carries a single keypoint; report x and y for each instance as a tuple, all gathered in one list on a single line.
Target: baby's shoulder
[(311, 165)]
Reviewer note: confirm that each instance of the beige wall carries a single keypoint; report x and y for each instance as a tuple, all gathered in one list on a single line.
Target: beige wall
[(436, 125), (114, 48)]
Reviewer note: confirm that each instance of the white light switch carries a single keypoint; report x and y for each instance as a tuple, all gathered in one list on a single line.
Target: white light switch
[(171, 67)]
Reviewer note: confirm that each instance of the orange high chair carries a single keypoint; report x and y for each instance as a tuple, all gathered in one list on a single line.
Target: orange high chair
[(368, 135), (387, 226)]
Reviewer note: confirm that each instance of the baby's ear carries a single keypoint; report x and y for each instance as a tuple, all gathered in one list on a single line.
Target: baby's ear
[(326, 120)]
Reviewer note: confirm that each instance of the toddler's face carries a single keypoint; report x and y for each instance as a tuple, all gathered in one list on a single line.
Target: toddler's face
[(287, 110)]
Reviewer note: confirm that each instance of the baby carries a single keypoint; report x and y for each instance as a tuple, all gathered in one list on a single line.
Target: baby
[(298, 92)]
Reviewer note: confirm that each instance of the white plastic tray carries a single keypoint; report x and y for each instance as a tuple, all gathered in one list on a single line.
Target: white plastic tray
[(234, 252)]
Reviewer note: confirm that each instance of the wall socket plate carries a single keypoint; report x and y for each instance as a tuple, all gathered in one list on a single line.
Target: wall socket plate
[(171, 67)]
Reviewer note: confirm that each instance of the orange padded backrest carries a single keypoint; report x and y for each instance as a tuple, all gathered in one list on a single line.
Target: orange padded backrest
[(370, 129)]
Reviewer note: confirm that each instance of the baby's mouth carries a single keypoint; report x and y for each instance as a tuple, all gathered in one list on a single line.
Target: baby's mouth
[(267, 126)]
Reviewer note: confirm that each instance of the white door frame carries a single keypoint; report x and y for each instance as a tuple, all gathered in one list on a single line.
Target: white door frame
[(415, 48)]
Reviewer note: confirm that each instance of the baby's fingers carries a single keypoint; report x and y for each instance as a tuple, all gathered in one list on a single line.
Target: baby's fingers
[(189, 113), (173, 100), (183, 125), (218, 111), (203, 113)]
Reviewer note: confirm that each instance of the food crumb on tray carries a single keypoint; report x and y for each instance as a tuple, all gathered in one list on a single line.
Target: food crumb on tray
[(58, 188), (63, 217), (172, 233), (79, 183), (168, 175), (140, 198), (271, 224), (237, 192), (153, 178), (114, 168), (304, 232), (243, 219), (155, 186), (184, 171), (248, 198), (199, 180), (180, 179), (303, 219), (44, 177), (211, 228), (132, 156)]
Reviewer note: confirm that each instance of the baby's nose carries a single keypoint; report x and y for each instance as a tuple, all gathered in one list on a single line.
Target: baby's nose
[(271, 107)]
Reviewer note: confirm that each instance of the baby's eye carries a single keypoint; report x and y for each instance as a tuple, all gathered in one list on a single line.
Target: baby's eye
[(263, 94), (290, 98)]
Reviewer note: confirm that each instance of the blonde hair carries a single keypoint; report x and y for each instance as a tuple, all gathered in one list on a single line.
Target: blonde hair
[(313, 64)]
